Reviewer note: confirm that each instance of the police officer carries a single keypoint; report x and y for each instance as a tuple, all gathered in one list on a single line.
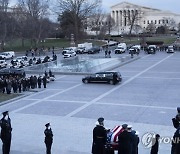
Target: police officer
[(6, 132), (48, 138), (99, 137)]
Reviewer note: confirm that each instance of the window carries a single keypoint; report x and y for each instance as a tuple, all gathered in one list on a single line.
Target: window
[(148, 21), (144, 21), (151, 21), (155, 21), (167, 21), (159, 21), (163, 21)]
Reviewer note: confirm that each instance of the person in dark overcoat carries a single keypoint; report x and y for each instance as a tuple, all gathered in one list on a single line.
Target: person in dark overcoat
[(99, 137), (39, 81), (176, 120), (6, 130), (155, 146), (44, 79), (135, 142), (125, 142), (48, 138)]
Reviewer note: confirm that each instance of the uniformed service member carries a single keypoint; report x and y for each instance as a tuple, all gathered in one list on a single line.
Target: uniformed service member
[(48, 138), (99, 137), (6, 129)]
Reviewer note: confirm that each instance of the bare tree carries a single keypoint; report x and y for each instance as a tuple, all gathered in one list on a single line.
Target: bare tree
[(79, 10), (132, 18), (3, 21), (35, 12), (151, 28)]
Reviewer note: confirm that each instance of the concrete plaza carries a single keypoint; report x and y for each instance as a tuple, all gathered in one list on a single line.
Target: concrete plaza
[(147, 99)]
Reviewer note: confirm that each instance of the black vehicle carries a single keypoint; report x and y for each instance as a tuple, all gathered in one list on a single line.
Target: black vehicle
[(94, 50), (107, 77)]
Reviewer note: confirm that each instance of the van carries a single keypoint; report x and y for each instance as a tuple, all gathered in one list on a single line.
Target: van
[(121, 48)]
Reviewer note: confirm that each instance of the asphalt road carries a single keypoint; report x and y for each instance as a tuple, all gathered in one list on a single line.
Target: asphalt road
[(147, 99)]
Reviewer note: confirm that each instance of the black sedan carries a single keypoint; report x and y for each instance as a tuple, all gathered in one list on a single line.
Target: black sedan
[(106, 77)]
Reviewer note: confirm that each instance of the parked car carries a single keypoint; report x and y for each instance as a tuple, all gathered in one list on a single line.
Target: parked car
[(107, 77), (69, 49), (69, 54), (7, 55), (94, 50), (3, 64), (81, 50), (170, 49), (119, 50), (134, 50)]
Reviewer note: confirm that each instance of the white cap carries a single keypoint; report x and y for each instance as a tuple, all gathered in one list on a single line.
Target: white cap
[(137, 133), (129, 126)]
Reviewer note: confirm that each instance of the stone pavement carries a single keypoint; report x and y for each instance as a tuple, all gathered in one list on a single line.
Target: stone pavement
[(72, 108)]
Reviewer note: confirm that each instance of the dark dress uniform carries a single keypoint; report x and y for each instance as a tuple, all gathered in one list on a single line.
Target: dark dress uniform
[(124, 143), (99, 139), (6, 133), (48, 138)]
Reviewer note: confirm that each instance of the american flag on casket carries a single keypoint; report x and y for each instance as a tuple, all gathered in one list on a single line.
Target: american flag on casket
[(112, 135)]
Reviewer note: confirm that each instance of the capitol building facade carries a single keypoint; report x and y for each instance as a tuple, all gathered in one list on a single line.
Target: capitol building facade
[(126, 14)]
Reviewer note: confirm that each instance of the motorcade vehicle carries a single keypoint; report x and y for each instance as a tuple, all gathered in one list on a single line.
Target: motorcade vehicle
[(94, 50), (7, 55), (151, 49), (121, 48), (103, 77), (170, 49), (3, 64), (69, 54)]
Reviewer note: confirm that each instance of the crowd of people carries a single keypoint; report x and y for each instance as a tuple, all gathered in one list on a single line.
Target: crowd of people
[(16, 83)]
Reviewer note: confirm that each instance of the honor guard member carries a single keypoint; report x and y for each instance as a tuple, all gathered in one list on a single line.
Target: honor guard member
[(6, 132), (48, 138), (99, 137)]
